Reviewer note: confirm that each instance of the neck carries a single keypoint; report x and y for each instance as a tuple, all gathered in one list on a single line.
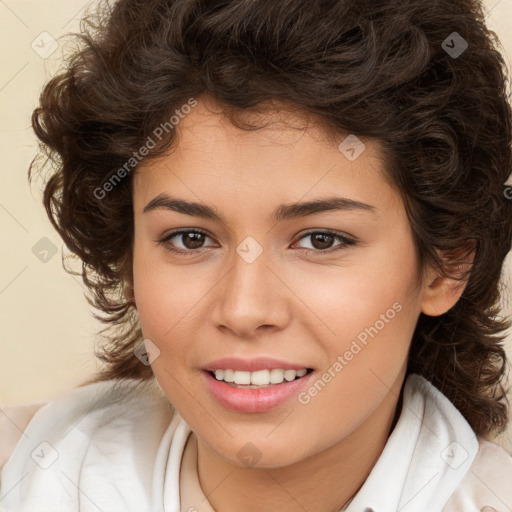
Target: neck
[(323, 482)]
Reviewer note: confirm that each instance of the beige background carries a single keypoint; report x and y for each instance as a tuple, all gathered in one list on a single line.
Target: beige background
[(47, 331)]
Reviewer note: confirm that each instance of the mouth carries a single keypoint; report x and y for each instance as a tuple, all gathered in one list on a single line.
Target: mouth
[(253, 392), (260, 379), (256, 384)]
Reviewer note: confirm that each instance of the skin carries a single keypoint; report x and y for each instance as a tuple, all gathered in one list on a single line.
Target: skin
[(303, 307)]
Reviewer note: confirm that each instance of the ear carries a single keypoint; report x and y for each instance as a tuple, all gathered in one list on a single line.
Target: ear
[(441, 293)]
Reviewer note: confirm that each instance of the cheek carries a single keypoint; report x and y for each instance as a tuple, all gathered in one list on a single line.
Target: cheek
[(170, 300), (371, 319), (368, 311), (354, 295)]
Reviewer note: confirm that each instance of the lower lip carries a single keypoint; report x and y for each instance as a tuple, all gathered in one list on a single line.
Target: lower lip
[(254, 400)]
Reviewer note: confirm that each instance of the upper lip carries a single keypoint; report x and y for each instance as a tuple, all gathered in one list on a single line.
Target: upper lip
[(251, 365)]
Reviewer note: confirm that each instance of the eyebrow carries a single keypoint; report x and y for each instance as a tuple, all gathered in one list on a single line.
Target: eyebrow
[(283, 212)]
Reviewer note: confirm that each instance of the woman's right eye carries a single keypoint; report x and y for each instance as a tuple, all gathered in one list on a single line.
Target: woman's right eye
[(191, 241)]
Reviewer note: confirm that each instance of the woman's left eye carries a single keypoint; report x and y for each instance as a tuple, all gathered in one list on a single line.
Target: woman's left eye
[(321, 239), (193, 239)]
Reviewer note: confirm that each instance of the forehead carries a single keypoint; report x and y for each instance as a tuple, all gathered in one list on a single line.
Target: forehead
[(289, 155)]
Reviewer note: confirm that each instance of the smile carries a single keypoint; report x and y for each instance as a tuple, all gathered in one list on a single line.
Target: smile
[(254, 398), (258, 378)]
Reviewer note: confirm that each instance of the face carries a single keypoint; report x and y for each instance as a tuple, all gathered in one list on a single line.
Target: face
[(332, 290)]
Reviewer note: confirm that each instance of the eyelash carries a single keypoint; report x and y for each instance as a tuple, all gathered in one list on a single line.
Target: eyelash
[(346, 242)]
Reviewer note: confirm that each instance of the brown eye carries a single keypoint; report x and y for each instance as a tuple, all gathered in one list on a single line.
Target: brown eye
[(184, 241), (192, 239), (322, 241)]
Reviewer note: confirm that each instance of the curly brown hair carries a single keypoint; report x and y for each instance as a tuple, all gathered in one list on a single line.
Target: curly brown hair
[(397, 71)]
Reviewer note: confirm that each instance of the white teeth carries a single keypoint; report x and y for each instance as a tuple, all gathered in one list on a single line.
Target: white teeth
[(228, 375), (260, 377), (289, 375), (242, 377), (276, 376)]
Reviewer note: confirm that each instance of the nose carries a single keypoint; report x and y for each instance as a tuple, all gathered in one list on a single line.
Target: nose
[(251, 298)]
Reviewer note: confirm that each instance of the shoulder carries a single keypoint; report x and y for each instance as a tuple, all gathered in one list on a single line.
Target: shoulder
[(13, 422), (84, 415), (487, 485), (88, 407), (87, 434)]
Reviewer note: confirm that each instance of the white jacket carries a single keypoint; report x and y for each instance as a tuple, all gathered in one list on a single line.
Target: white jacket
[(117, 447)]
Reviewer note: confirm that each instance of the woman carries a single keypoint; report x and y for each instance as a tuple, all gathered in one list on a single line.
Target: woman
[(292, 216)]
